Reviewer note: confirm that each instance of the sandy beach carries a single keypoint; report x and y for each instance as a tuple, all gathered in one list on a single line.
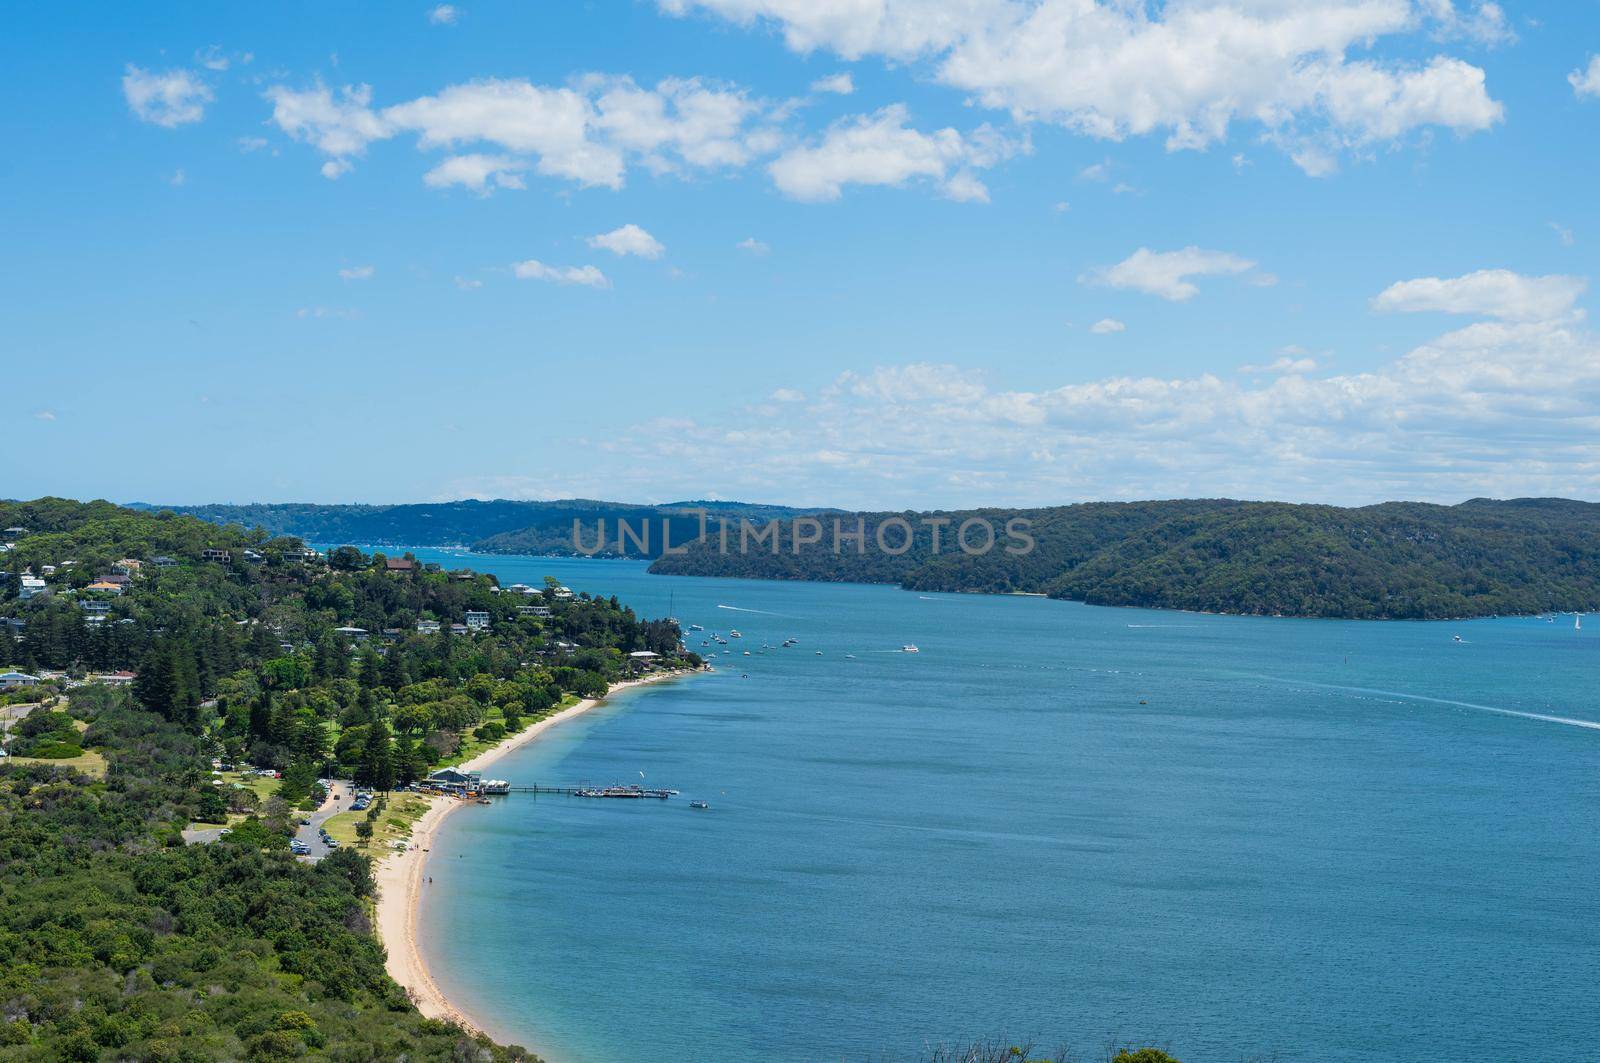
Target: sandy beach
[(401, 875)]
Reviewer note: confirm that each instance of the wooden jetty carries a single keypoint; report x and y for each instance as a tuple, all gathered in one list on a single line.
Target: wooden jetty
[(612, 792)]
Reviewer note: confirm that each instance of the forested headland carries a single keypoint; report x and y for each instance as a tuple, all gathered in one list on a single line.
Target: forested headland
[(1398, 560), (120, 942)]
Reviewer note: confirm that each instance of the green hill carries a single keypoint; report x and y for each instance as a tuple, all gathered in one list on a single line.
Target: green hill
[(1398, 560)]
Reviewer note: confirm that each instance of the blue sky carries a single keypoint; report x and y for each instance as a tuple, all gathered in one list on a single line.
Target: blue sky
[(873, 253)]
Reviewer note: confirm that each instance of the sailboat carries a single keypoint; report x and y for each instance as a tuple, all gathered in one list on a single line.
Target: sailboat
[(1577, 622)]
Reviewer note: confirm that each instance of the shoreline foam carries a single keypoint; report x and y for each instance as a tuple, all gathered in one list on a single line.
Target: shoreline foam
[(400, 875)]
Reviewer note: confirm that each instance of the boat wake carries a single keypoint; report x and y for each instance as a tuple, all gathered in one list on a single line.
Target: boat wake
[(1568, 721), (763, 612)]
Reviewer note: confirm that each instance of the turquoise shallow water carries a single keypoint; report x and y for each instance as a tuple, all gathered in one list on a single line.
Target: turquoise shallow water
[(1308, 840)]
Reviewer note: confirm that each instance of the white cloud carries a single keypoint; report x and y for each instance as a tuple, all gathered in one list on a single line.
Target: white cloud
[(444, 15), (1494, 293), (1114, 68), (839, 84), (343, 312), (1484, 23), (357, 273), (1167, 273), (339, 125), (588, 132), (628, 240), (753, 246), (44, 415), (1563, 234), (480, 173), (178, 178), (1107, 325), (212, 58), (880, 149), (1496, 408), (587, 276), (171, 98), (1586, 82), (468, 284), (249, 144), (334, 169), (1291, 360), (788, 395)]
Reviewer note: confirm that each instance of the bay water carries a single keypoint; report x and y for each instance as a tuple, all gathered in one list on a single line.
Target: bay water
[(1233, 837)]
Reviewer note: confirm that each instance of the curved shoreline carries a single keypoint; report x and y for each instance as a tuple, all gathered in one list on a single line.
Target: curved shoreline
[(400, 876)]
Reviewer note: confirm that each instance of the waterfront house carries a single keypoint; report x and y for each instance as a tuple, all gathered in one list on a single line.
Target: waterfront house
[(563, 593), (399, 564), (14, 533), (357, 634), (126, 567), (456, 781), (14, 680), (477, 620), (119, 578), (95, 607), (101, 586), (253, 557), (427, 627), (31, 586), (114, 679), (211, 553), (458, 629), (164, 562)]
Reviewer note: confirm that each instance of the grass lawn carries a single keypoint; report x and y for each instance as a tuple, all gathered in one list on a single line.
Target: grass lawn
[(90, 763), (393, 823), (263, 786)]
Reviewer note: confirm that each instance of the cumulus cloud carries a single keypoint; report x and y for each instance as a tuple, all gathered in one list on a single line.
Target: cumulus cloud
[(170, 98), (788, 395), (1167, 273), (1586, 81), (628, 240), (587, 276), (881, 149), (340, 124), (1112, 69), (587, 132), (357, 273), (444, 15), (1107, 325), (480, 173), (1495, 293), (750, 245), (839, 84), (1497, 407), (1289, 360)]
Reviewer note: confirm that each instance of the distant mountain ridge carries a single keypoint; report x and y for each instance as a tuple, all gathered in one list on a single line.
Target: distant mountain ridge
[(1396, 560), (506, 526)]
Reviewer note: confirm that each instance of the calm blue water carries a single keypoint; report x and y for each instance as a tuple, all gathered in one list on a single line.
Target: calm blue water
[(1312, 840)]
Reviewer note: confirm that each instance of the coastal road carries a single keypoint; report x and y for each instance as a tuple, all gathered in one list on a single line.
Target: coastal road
[(338, 800)]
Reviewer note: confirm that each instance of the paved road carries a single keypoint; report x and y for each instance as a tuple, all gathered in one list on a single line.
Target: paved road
[(338, 800), (201, 835)]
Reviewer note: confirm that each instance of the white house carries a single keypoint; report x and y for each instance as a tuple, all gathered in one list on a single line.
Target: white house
[(427, 627), (477, 620), (13, 680), (31, 585)]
